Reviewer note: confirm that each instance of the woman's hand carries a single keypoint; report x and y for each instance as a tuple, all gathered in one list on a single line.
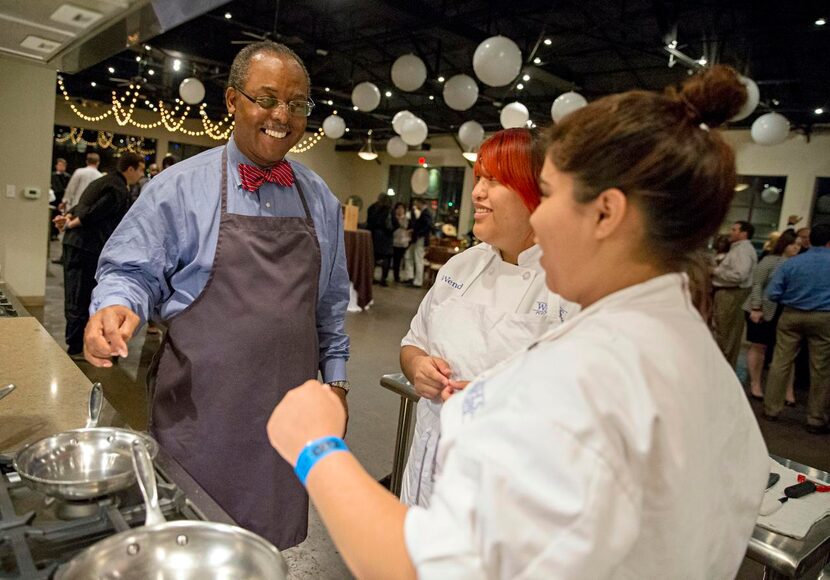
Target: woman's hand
[(431, 376), (452, 388), (756, 316), (306, 413)]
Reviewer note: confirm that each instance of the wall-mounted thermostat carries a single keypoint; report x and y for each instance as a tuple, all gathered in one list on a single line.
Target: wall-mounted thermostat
[(31, 192)]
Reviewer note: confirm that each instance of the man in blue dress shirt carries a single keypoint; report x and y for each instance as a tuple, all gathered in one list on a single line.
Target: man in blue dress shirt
[(802, 286), (242, 254)]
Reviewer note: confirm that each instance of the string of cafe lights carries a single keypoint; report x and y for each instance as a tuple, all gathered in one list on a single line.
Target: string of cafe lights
[(171, 119), (104, 140)]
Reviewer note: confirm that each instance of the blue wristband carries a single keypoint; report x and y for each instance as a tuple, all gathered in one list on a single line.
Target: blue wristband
[(314, 451)]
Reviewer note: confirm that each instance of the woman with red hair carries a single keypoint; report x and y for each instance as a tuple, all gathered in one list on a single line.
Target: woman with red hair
[(487, 302)]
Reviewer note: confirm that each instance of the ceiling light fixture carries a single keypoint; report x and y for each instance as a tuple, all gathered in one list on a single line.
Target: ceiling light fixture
[(147, 47), (440, 79), (526, 78), (741, 186), (138, 59), (702, 61), (470, 155), (537, 60), (177, 64), (327, 89), (228, 15), (388, 93), (321, 52), (821, 22), (151, 72), (94, 84), (819, 111), (548, 42), (520, 86), (432, 97), (367, 152), (111, 70)]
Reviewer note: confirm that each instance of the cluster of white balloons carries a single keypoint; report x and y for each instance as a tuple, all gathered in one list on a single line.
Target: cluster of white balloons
[(412, 129), (768, 129)]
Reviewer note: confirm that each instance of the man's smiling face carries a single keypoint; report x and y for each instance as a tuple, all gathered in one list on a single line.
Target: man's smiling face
[(265, 135)]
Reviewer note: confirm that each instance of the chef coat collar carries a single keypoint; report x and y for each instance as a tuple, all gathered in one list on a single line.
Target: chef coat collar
[(526, 258)]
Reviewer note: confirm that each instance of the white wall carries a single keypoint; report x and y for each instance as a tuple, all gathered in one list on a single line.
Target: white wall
[(797, 159), (27, 110)]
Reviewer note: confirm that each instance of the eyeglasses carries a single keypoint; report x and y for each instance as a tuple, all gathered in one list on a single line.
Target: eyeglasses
[(294, 108)]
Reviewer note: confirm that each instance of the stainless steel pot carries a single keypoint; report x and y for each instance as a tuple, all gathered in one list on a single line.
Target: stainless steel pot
[(180, 550), (6, 390), (83, 463)]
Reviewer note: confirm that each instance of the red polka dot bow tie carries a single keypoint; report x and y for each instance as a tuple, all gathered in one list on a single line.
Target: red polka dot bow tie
[(253, 177)]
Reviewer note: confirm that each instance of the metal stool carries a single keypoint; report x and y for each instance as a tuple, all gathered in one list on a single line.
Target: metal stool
[(398, 384)]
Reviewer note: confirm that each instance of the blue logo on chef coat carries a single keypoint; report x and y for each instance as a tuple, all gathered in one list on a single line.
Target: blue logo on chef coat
[(473, 398), (447, 280), (541, 308)]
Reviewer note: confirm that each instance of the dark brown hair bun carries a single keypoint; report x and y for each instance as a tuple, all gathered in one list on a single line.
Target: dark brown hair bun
[(712, 96)]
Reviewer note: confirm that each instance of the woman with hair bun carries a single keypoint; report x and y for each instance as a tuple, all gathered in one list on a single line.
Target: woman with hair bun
[(620, 444)]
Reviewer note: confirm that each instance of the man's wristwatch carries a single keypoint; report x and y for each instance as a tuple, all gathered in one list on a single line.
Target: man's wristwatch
[(340, 385)]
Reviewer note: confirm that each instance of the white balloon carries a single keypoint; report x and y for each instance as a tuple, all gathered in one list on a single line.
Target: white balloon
[(770, 194), (409, 72), (753, 95), (460, 92), (192, 91), (334, 127), (399, 118), (471, 134), (497, 61), (770, 129), (366, 97), (566, 103), (396, 147), (514, 115), (414, 131), (420, 180)]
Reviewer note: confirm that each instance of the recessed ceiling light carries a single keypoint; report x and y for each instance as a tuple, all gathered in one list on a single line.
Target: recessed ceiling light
[(520, 86), (776, 102), (537, 60), (548, 42), (327, 89), (228, 15), (526, 78), (111, 70), (94, 84), (138, 59), (148, 47), (821, 22), (151, 72), (388, 93), (355, 107), (702, 61), (440, 79), (347, 129), (331, 102), (819, 111), (741, 186), (177, 64), (432, 97)]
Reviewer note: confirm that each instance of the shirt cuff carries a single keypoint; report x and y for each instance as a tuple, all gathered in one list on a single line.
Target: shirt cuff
[(333, 369)]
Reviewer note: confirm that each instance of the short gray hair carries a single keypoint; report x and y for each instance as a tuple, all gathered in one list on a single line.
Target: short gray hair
[(242, 61)]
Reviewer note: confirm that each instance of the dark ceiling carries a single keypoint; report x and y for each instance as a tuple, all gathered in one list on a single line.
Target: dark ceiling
[(596, 48)]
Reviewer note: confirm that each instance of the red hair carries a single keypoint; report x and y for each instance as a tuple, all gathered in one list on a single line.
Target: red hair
[(512, 158)]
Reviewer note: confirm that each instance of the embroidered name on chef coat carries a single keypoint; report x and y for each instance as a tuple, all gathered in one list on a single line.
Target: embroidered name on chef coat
[(448, 280), (473, 399)]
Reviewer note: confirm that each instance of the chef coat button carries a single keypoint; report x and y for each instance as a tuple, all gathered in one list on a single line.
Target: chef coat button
[(267, 204), (526, 276)]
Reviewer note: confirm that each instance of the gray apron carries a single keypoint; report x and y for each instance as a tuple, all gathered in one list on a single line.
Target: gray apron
[(231, 356)]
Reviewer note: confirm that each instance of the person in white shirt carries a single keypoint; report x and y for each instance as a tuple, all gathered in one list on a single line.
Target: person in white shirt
[(80, 179), (620, 444), (732, 281), (487, 302)]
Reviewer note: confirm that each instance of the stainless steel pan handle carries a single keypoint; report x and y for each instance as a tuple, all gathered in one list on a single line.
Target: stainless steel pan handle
[(6, 390), (96, 402), (147, 482)]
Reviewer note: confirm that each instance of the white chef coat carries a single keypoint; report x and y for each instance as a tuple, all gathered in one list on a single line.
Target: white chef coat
[(480, 311), (621, 445)]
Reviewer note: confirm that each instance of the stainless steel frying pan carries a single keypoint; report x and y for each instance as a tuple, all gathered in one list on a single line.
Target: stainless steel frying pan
[(83, 463), (180, 550)]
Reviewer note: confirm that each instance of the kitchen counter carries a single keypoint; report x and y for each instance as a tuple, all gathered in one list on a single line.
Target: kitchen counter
[(52, 393)]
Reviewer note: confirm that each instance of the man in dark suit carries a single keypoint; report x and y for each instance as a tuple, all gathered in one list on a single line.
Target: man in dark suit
[(60, 179), (101, 206), (421, 228)]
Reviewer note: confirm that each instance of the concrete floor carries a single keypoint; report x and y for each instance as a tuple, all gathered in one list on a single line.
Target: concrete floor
[(375, 339)]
